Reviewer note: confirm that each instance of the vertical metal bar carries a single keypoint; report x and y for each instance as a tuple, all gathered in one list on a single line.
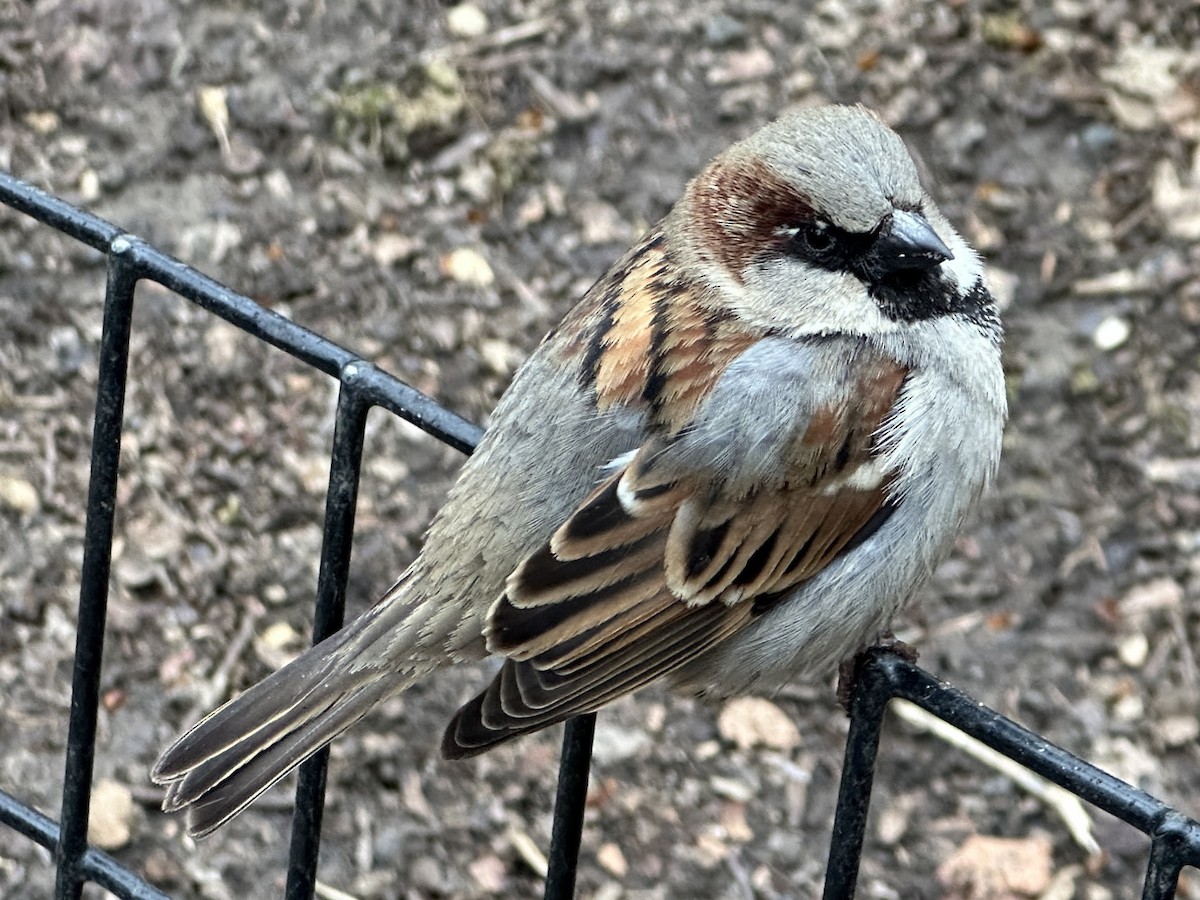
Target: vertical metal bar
[(337, 538), (1166, 858), (570, 801), (867, 705), (97, 559)]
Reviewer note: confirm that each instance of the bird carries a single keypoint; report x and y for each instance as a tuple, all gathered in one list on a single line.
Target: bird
[(729, 466)]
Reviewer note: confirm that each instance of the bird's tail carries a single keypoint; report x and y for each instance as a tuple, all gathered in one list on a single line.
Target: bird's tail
[(232, 755)]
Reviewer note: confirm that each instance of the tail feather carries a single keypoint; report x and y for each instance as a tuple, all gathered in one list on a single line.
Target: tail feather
[(238, 751), (212, 807), (257, 717)]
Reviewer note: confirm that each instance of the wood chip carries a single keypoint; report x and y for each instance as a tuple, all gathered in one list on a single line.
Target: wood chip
[(529, 851)]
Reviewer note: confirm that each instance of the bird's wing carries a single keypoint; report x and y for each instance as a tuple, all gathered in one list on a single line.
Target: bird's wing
[(693, 536)]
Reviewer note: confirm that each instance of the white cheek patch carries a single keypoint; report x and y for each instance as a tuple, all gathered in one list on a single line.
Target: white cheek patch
[(803, 300)]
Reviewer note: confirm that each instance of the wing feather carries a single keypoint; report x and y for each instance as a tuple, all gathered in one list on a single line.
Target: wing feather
[(662, 561)]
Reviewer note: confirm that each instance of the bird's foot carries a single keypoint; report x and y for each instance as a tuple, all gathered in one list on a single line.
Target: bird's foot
[(848, 670)]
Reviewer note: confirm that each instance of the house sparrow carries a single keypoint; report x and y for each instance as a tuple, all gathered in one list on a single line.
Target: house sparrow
[(730, 465)]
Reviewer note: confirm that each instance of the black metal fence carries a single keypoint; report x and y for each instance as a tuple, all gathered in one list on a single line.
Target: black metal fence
[(1175, 838)]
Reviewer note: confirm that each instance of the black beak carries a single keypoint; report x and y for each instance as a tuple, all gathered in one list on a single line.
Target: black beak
[(910, 244)]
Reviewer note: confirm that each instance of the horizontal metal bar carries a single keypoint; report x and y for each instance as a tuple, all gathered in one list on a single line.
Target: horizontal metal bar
[(1126, 802), (239, 310), (152, 264), (96, 865), (58, 214), (389, 392)]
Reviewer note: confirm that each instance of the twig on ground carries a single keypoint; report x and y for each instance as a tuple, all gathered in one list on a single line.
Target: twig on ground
[(1062, 802)]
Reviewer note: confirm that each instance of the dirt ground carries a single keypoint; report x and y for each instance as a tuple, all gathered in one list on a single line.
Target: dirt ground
[(433, 187)]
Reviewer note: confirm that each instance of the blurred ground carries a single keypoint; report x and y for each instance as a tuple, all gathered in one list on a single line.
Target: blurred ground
[(433, 187)]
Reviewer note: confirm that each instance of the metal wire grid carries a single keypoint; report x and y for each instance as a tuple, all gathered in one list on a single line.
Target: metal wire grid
[(1175, 838)]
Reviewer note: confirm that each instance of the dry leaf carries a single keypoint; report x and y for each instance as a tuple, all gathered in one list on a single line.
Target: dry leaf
[(753, 721), (1144, 87), (994, 868)]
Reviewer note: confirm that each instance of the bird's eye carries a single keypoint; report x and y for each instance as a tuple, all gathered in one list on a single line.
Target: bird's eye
[(816, 237), (811, 239)]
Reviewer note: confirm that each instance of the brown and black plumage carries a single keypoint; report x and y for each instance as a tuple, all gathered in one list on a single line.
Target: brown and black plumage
[(729, 465)]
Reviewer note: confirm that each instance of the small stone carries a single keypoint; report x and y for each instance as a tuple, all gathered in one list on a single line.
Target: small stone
[(1184, 473), (601, 223), (18, 495), (89, 186), (44, 122), (752, 721), (614, 743), (1111, 333), (278, 185), (1134, 650), (743, 65), (223, 346), (275, 594), (489, 873), (391, 249), (1178, 731), (467, 266), (466, 21), (732, 789), (706, 750), (499, 356), (110, 823), (134, 570), (892, 824), (1160, 593), (733, 821), (279, 635), (427, 876), (242, 157), (1130, 708), (278, 645), (721, 30), (612, 860)]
